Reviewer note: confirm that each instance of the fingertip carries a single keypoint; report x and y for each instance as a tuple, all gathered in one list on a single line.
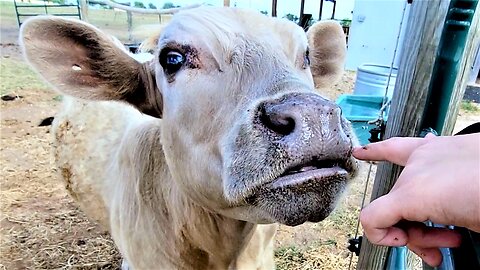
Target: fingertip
[(431, 256), (365, 216), (379, 151), (457, 239), (430, 136), (434, 262), (428, 237), (358, 151), (447, 238)]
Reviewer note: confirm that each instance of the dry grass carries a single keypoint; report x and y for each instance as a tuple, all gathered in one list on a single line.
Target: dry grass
[(50, 240), (319, 256), (16, 75), (41, 228)]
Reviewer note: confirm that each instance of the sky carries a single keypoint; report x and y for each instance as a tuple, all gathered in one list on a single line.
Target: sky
[(343, 8)]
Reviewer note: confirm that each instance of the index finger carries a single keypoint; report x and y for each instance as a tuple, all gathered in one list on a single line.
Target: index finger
[(396, 150)]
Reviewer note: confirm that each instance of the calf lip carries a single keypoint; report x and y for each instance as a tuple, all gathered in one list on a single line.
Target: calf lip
[(311, 171), (300, 178)]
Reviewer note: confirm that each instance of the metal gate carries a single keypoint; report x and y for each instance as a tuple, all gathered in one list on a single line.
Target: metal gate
[(24, 10)]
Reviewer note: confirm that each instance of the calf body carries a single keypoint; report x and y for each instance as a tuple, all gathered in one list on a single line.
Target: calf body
[(194, 156), (116, 171)]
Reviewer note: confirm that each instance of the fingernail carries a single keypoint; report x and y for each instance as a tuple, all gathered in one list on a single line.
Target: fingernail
[(359, 148)]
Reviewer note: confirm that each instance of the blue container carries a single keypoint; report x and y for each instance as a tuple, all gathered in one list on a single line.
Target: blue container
[(359, 110)]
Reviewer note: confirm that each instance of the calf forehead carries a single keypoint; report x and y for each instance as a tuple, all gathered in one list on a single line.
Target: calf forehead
[(223, 29)]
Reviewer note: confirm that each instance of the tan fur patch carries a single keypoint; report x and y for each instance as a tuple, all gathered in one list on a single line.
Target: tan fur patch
[(327, 53), (67, 176)]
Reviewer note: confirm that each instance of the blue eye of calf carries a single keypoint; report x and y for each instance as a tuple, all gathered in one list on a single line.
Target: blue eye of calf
[(174, 58), (172, 61)]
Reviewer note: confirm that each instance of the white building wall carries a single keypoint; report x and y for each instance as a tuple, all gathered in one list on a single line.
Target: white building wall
[(374, 31)]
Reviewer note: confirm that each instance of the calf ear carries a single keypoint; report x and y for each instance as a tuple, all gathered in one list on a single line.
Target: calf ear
[(81, 61), (327, 52)]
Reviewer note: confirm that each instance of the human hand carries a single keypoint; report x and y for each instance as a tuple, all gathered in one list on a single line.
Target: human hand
[(440, 183)]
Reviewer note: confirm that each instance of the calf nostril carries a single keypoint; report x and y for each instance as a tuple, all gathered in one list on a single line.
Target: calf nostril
[(278, 122)]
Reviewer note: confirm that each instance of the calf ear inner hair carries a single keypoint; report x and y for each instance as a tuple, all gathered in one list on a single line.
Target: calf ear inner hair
[(146, 96), (154, 97)]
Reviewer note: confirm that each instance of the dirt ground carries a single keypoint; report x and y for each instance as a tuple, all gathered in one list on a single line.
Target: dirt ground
[(42, 228)]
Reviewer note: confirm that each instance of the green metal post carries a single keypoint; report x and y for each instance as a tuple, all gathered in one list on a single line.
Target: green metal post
[(452, 45)]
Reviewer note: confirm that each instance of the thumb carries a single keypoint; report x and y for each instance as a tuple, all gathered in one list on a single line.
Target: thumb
[(378, 220)]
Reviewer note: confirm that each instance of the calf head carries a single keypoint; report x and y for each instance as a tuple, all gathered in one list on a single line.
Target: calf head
[(243, 131)]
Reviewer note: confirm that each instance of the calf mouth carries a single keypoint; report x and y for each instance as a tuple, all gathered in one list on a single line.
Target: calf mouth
[(311, 170), (304, 192)]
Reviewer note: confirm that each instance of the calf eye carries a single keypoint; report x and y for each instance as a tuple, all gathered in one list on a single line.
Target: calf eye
[(172, 61), (306, 59)]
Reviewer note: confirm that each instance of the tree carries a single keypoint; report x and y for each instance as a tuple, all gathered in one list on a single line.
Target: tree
[(151, 6), (291, 17), (346, 22), (139, 4), (169, 5)]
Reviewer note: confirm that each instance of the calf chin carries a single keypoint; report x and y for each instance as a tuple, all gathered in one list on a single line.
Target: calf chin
[(294, 205)]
